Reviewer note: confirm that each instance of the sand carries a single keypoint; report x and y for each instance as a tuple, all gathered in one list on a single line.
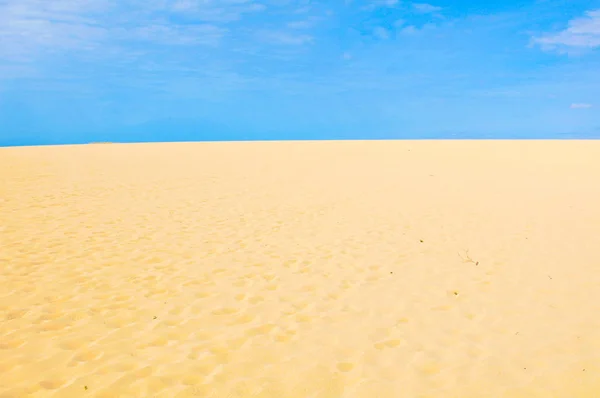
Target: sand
[(301, 269)]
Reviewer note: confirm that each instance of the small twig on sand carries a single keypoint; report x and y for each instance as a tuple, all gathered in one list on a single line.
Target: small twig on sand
[(467, 259)]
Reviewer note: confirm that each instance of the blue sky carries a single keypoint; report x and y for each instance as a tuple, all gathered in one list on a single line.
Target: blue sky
[(74, 71)]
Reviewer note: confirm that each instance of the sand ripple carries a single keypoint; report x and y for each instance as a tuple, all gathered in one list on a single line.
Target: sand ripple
[(403, 269)]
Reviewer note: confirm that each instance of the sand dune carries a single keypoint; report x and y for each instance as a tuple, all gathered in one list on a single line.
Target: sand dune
[(316, 269)]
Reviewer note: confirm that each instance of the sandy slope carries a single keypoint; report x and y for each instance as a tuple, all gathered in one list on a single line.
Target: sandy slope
[(332, 269)]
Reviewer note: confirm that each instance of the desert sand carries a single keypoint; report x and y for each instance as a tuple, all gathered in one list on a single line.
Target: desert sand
[(452, 269)]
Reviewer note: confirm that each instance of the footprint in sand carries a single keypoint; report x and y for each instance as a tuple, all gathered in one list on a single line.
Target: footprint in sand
[(345, 366), (243, 319), (260, 330), (72, 344), (240, 297), (256, 299), (53, 384), (393, 343), (225, 311), (284, 337), (11, 344)]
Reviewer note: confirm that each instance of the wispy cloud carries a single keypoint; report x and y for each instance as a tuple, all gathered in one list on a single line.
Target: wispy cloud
[(381, 33), (380, 4), (282, 37), (387, 3), (413, 30), (300, 24), (30, 28), (306, 23), (179, 35), (425, 8), (409, 30), (399, 23), (582, 32), (581, 106), (210, 11)]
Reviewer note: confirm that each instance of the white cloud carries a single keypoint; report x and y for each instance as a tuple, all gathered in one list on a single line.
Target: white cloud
[(381, 4), (581, 106), (381, 33), (304, 23), (30, 28), (387, 3), (409, 30), (285, 38), (414, 30), (303, 10), (399, 23), (583, 32), (210, 11), (299, 24), (425, 8), (179, 35)]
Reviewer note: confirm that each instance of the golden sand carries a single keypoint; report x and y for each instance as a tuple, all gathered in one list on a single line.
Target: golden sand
[(286, 270)]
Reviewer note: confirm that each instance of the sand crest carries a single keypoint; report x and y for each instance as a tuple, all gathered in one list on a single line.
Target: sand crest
[(301, 269)]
